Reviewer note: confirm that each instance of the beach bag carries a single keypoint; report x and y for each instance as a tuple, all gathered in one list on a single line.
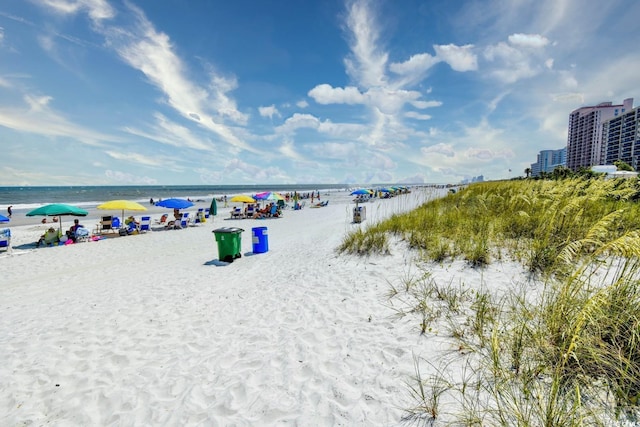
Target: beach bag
[(122, 232)]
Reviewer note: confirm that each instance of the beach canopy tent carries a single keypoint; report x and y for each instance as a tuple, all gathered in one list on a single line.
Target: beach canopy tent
[(58, 209), (121, 205), (175, 203), (4, 218)]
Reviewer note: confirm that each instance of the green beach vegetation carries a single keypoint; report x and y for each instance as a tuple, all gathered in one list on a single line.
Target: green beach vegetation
[(567, 354)]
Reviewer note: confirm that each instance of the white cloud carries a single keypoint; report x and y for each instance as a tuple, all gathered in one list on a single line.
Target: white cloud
[(518, 59), (459, 58), (128, 178), (528, 40), (288, 150), (131, 157), (269, 111), (96, 9), (170, 133), (302, 104), (151, 52), (416, 64), (367, 64), (441, 148), (417, 116), (325, 94), (38, 118), (391, 101), (298, 121), (425, 104)]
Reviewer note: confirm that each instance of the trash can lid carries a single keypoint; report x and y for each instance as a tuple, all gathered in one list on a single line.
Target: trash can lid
[(228, 230)]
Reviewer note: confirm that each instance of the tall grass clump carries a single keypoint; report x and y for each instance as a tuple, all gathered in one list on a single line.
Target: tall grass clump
[(532, 221), (570, 356)]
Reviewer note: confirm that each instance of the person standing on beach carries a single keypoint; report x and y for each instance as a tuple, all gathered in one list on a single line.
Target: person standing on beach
[(9, 211)]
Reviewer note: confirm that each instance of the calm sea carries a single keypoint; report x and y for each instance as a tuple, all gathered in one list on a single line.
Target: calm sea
[(88, 196)]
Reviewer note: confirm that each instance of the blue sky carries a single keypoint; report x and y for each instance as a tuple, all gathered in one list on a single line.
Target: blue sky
[(111, 92)]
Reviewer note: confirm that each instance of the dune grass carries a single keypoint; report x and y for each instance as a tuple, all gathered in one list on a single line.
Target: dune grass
[(569, 357)]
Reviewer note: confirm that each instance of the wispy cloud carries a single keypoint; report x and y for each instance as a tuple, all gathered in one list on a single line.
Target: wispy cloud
[(269, 111), (37, 117), (151, 52), (97, 10)]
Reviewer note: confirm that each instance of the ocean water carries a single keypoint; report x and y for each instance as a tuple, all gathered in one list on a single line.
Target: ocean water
[(88, 196)]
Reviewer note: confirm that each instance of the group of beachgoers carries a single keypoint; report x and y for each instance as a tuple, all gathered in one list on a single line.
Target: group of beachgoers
[(251, 210), (77, 232)]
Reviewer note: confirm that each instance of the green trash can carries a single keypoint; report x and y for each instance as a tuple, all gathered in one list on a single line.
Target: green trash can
[(229, 243)]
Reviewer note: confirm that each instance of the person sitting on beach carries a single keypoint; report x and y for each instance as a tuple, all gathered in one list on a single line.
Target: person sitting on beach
[(131, 224), (73, 232), (177, 215), (173, 225), (55, 219), (130, 220), (75, 226), (48, 238)]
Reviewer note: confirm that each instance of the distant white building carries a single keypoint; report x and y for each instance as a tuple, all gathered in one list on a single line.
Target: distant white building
[(611, 171), (548, 160)]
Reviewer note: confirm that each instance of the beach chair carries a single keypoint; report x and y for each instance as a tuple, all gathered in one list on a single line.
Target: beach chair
[(162, 220), (207, 213), (105, 225), (250, 211), (273, 213), (145, 224), (184, 222), (81, 235), (236, 213), (199, 219), (50, 238), (115, 223), (5, 239)]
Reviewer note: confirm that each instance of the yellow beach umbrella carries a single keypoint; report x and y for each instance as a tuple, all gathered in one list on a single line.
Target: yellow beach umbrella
[(121, 205), (243, 198)]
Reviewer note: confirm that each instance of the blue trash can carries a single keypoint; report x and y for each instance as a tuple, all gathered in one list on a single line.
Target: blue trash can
[(260, 239)]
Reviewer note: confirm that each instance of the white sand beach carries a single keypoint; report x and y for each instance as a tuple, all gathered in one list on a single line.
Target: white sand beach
[(153, 329)]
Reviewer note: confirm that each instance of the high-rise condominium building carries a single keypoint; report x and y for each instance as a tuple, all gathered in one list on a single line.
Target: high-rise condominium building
[(621, 138), (584, 141)]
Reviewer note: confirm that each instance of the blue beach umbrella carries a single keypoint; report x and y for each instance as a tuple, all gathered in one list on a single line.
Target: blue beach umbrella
[(175, 203), (4, 218), (360, 191)]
